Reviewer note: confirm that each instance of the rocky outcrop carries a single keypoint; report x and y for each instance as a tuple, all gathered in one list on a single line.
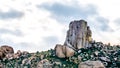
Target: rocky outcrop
[(78, 36), (4, 50), (91, 64), (16, 55), (63, 51), (98, 54), (81, 51), (59, 51)]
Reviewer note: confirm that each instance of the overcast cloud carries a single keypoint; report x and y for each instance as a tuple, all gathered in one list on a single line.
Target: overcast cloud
[(11, 14), (36, 25)]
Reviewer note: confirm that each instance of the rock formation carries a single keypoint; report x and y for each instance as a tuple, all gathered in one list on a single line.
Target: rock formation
[(44, 64), (78, 36), (81, 51), (91, 64), (63, 51), (4, 50)]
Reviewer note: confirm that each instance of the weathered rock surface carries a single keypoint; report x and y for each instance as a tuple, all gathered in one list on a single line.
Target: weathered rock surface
[(107, 55), (78, 36), (44, 64), (91, 64), (63, 51), (4, 50), (16, 55), (1, 66), (59, 51), (91, 54)]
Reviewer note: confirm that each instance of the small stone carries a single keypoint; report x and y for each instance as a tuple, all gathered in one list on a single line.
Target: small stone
[(79, 51), (19, 53), (105, 63), (26, 62), (25, 52), (79, 58), (44, 64), (104, 59), (41, 57), (91, 56), (115, 59), (96, 53), (1, 65), (58, 63)]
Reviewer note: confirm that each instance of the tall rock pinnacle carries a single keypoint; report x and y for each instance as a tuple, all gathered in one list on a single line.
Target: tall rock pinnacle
[(78, 36)]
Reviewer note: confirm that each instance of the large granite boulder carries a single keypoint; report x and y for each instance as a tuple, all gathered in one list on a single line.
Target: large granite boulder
[(59, 51), (91, 64), (78, 36), (4, 50), (7, 49), (63, 51)]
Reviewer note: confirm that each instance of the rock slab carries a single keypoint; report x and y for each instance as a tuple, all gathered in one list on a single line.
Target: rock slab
[(91, 64)]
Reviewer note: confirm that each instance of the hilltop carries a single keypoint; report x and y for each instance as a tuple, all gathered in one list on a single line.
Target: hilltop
[(78, 51)]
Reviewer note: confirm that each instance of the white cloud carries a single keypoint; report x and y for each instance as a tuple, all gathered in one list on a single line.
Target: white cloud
[(37, 23)]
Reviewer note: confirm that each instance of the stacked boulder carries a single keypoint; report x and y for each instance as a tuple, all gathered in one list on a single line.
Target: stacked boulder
[(4, 50), (78, 36), (63, 51)]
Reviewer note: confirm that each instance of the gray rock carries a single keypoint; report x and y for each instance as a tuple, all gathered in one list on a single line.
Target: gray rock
[(44, 64), (91, 64), (4, 50), (78, 35), (96, 53), (104, 59), (63, 51), (1, 65), (58, 63), (26, 62), (58, 51), (79, 58), (41, 56)]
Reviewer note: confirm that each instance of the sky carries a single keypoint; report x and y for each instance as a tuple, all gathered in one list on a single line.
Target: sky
[(38, 25)]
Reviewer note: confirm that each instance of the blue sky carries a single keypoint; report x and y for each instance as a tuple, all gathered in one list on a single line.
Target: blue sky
[(36, 25)]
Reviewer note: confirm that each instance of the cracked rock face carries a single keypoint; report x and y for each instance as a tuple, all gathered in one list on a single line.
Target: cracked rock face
[(63, 51), (4, 50), (78, 36)]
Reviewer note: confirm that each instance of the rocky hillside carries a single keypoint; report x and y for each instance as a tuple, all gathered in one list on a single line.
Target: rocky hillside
[(78, 51)]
